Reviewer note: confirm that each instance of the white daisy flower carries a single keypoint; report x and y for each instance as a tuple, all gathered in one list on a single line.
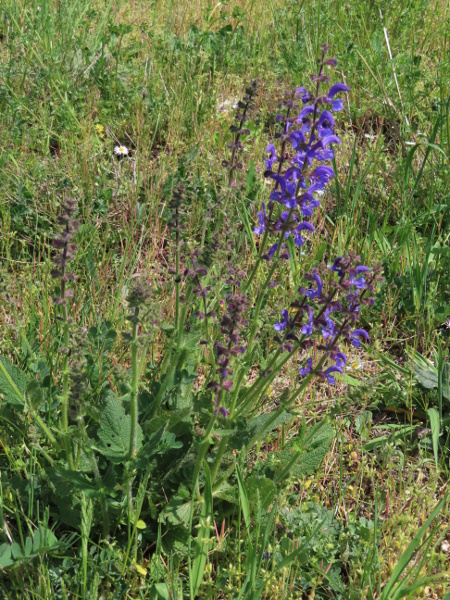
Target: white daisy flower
[(121, 150), (357, 365)]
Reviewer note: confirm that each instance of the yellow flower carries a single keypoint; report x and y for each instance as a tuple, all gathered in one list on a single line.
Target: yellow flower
[(100, 131)]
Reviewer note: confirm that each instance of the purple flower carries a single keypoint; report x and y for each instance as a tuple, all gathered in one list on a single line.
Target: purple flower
[(303, 118), (272, 158), (308, 203), (223, 411), (336, 266), (360, 283), (298, 240), (306, 369), (312, 293), (325, 124), (302, 93), (325, 155), (262, 221), (307, 329), (323, 174), (284, 319), (357, 334), (341, 359), (271, 252), (296, 138), (330, 328), (330, 139), (336, 105), (330, 377), (287, 195)]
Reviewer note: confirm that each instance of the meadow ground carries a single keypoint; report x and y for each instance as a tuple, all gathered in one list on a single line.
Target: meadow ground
[(82, 513)]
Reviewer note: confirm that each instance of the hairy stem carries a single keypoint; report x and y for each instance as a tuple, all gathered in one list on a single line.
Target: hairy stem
[(134, 386)]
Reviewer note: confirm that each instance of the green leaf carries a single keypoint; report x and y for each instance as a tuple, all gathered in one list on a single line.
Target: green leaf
[(253, 426), (245, 506), (426, 377), (114, 432), (177, 512), (260, 490), (5, 556), (435, 432), (446, 381), (300, 461), (13, 382), (33, 394), (204, 531), (160, 591)]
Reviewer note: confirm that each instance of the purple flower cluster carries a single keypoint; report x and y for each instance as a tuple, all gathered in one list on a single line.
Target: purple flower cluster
[(232, 324), (67, 248), (300, 176), (328, 316), (239, 131)]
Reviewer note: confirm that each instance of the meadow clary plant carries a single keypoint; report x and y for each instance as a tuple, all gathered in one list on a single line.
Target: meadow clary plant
[(156, 453)]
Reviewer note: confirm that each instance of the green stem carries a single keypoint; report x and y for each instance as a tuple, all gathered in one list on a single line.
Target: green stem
[(258, 309), (203, 449), (177, 268), (66, 384), (97, 476), (134, 386)]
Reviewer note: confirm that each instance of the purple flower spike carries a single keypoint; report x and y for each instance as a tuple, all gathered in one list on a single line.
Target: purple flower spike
[(357, 334), (306, 369), (361, 269), (284, 319), (330, 377)]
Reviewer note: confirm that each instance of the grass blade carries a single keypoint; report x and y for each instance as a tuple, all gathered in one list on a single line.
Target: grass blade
[(409, 552)]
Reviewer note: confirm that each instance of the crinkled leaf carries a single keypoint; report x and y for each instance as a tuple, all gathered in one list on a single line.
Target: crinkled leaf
[(33, 394), (242, 438), (426, 377), (177, 512), (114, 432), (13, 382), (299, 460), (261, 490)]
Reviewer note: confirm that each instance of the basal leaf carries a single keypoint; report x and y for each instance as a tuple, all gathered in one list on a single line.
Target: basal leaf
[(114, 432), (260, 490), (13, 382), (33, 394)]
